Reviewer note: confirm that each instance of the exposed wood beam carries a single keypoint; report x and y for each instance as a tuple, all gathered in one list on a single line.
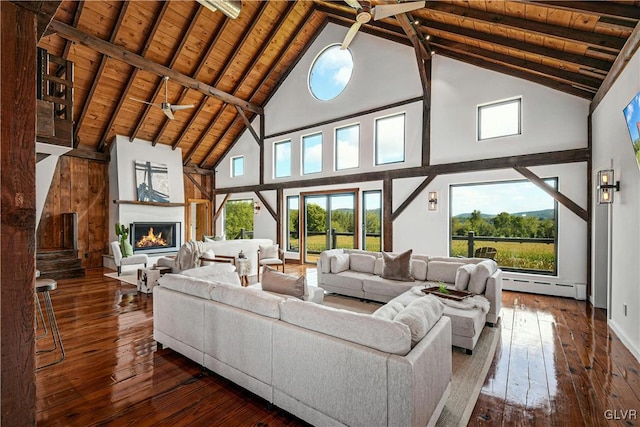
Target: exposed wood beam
[(89, 155), (96, 80), (599, 8), (629, 49), (527, 160), (44, 12), (547, 71), (70, 33), (247, 124), (279, 215), (600, 41), (221, 74), (266, 204), (196, 169), (76, 18), (586, 62), (156, 25), (387, 215), (412, 197), (198, 185), (375, 28), (224, 135), (567, 202), (221, 208), (553, 84), (174, 58)]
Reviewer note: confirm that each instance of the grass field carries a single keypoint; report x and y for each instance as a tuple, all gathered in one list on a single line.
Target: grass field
[(317, 244), (533, 256)]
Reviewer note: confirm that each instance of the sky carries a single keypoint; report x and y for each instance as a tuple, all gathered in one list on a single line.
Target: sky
[(494, 198), (330, 72)]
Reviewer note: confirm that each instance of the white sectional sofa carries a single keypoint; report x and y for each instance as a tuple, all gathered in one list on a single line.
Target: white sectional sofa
[(324, 365), (358, 273)]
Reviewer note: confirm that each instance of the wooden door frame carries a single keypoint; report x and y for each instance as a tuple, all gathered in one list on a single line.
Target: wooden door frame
[(188, 216)]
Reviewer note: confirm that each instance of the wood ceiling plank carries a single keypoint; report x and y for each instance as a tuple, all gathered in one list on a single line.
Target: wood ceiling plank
[(627, 11)]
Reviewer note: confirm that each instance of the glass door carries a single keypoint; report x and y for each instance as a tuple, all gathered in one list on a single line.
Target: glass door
[(372, 220), (329, 222)]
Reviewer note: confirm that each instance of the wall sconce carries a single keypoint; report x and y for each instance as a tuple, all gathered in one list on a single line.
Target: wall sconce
[(256, 208), (433, 200), (605, 186)]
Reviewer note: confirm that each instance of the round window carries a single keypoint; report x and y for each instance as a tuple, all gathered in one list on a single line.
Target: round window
[(330, 72)]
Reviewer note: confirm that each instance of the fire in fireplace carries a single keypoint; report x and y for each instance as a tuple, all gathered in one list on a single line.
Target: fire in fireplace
[(155, 236)]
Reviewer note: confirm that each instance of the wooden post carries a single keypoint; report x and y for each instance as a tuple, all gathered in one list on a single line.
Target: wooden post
[(387, 214), (17, 213), (470, 244)]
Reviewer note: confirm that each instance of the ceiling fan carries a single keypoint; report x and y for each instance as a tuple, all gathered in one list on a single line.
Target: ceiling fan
[(364, 13), (166, 108)]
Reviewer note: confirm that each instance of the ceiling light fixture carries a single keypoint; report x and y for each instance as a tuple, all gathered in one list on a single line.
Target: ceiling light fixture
[(231, 8)]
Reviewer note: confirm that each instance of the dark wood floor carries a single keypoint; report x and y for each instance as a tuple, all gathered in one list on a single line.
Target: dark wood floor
[(556, 363)]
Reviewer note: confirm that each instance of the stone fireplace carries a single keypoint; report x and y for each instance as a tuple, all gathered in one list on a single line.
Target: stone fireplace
[(154, 237)]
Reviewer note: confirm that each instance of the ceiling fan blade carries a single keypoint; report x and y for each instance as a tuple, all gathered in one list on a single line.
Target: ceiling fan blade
[(181, 107), (145, 102), (167, 112), (350, 35), (353, 3), (385, 10)]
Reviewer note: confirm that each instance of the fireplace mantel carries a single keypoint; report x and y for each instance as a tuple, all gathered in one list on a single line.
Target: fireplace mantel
[(136, 202)]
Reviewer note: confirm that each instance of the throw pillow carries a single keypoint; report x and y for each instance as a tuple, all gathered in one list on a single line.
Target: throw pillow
[(269, 251), (420, 316), (482, 271), (390, 310), (397, 267), (281, 283), (463, 275), (377, 268), (419, 269), (442, 271), (362, 263), (127, 250), (207, 239), (339, 263)]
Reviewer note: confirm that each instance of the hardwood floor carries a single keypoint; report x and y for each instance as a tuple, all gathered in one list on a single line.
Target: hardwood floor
[(557, 363)]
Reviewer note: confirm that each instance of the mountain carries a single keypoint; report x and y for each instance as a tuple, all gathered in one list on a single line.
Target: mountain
[(541, 214)]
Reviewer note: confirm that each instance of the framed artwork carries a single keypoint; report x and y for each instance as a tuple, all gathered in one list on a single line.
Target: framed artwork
[(152, 182), (632, 117)]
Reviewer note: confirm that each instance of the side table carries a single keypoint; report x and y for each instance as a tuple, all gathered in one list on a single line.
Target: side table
[(243, 267)]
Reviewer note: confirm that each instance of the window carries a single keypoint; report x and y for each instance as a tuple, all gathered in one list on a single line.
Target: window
[(282, 159), (293, 225), (516, 218), (237, 166), (372, 224), (312, 153), (348, 147), (390, 139), (499, 119), (330, 72), (238, 219)]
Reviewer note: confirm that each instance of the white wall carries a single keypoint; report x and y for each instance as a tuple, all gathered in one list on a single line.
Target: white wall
[(122, 184), (45, 169), (612, 145)]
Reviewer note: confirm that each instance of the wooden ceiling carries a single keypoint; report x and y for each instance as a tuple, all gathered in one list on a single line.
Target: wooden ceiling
[(566, 45)]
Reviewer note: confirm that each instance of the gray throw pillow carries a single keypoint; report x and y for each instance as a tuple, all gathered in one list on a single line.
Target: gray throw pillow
[(420, 316), (339, 263), (463, 275), (281, 283), (397, 267), (482, 271)]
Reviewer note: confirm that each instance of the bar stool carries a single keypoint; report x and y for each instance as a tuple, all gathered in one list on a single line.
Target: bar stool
[(44, 286)]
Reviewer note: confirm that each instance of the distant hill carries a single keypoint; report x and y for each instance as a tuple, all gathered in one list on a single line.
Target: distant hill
[(542, 214)]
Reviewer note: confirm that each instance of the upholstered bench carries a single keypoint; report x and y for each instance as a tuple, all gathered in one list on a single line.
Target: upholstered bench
[(466, 324)]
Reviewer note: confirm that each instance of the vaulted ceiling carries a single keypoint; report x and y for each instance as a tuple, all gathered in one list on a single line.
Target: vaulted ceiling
[(229, 68)]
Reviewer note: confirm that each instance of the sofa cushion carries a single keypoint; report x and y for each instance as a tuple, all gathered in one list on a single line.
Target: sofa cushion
[(463, 275), (268, 251), (480, 274), (465, 323), (325, 259), (216, 272), (441, 271), (364, 329), (380, 286), (389, 310), (419, 269), (347, 279), (188, 285), (281, 283), (250, 299), (420, 316), (397, 267), (339, 263), (363, 263)]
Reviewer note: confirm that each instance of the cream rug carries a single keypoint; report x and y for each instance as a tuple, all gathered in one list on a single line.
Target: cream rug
[(131, 279), (469, 372)]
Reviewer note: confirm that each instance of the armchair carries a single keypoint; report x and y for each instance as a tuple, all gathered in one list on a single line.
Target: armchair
[(272, 256), (130, 260)]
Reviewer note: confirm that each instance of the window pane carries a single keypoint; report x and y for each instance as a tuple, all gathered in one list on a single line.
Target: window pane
[(499, 119), (390, 139), (330, 73), (348, 147), (312, 153), (516, 219), (293, 225), (238, 219), (282, 156), (237, 166)]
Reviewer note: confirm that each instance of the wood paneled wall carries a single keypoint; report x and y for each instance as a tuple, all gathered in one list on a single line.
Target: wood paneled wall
[(82, 186), (191, 191)]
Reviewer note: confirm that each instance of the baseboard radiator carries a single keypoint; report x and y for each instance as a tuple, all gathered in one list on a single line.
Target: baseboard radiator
[(546, 286)]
